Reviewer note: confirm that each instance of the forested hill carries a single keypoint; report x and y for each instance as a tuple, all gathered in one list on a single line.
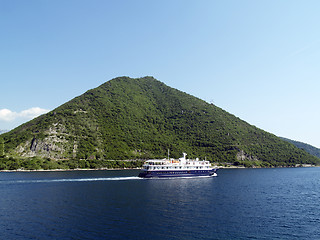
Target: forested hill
[(307, 147), (127, 118)]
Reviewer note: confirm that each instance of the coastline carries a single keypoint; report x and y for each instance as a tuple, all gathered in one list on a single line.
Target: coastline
[(137, 168), (69, 170)]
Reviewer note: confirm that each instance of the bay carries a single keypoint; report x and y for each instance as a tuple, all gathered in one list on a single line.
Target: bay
[(279, 203)]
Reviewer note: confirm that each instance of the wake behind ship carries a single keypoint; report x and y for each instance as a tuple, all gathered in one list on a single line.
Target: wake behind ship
[(182, 167)]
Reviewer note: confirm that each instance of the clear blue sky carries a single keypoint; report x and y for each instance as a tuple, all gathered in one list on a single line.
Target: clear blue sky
[(259, 60)]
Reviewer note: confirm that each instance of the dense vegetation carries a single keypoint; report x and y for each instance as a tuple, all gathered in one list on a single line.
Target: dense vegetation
[(38, 163), (307, 147), (141, 118)]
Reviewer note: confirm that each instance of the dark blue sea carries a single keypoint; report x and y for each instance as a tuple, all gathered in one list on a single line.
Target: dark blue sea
[(279, 203)]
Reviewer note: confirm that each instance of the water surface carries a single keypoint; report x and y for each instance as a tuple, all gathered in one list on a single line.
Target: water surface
[(238, 204)]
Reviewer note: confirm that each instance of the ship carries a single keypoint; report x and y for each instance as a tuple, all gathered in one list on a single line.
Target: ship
[(182, 167)]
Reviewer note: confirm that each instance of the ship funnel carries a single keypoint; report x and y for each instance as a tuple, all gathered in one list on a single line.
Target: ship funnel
[(184, 155)]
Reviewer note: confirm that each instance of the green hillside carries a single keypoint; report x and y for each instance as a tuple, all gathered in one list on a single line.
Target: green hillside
[(127, 118), (307, 147)]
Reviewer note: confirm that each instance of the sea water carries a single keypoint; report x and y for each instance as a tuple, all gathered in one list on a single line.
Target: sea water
[(281, 203)]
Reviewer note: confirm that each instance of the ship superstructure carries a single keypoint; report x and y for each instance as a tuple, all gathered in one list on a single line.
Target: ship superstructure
[(181, 167)]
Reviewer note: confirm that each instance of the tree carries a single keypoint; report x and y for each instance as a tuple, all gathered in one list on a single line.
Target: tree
[(1, 146)]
